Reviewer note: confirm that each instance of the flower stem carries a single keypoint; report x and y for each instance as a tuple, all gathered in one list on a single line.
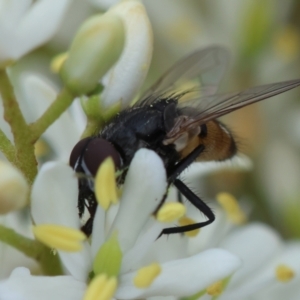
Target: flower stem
[(48, 260), (61, 103), (7, 147), (24, 157)]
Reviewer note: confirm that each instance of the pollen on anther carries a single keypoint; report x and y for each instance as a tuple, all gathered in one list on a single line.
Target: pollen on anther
[(170, 212), (59, 237), (284, 273), (188, 221), (101, 288), (105, 184), (215, 289), (146, 275), (231, 207)]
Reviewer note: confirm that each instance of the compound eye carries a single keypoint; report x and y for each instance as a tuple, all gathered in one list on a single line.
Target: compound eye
[(92, 152)]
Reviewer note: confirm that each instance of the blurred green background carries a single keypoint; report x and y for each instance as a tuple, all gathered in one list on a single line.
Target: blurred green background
[(263, 37)]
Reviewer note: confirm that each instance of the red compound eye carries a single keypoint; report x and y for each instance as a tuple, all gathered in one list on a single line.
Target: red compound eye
[(93, 152)]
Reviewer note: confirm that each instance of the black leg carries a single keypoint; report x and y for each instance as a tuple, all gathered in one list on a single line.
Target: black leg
[(197, 202), (86, 200), (183, 189), (184, 163)]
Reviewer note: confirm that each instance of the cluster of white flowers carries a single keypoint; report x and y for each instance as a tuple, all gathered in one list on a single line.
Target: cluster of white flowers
[(123, 258)]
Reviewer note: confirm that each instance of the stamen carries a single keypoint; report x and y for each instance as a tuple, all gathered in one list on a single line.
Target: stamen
[(101, 288), (232, 208), (41, 148), (105, 184), (215, 289), (170, 212), (109, 257), (188, 221), (59, 237), (58, 61), (146, 275), (284, 273)]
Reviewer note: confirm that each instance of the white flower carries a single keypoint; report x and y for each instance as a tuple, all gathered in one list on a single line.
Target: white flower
[(262, 252), (20, 25), (54, 198)]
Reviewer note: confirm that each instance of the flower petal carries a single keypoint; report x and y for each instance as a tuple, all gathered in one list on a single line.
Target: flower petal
[(98, 234), (23, 286), (54, 196), (255, 244), (26, 33), (54, 201), (144, 187), (183, 277), (136, 57)]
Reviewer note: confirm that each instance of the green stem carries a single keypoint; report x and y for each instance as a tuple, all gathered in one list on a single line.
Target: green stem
[(61, 103), (24, 158), (7, 147), (48, 260)]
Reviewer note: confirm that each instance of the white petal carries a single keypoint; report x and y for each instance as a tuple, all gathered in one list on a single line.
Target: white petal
[(183, 277), (256, 244), (136, 57), (288, 290), (27, 32), (78, 264), (54, 201), (103, 4), (133, 258), (98, 234), (144, 187), (54, 196), (22, 286)]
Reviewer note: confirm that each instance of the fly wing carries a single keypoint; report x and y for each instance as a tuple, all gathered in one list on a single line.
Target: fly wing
[(207, 66), (198, 111)]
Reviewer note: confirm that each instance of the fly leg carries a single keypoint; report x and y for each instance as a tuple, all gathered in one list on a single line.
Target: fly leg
[(86, 200), (198, 203), (184, 190)]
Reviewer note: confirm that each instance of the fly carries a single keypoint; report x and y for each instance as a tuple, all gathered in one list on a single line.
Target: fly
[(178, 123)]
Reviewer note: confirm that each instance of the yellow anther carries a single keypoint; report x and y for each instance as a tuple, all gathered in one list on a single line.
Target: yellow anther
[(105, 184), (284, 273), (215, 289), (59, 237), (58, 61), (101, 288), (146, 275), (232, 208), (287, 42), (188, 221), (170, 212), (41, 148)]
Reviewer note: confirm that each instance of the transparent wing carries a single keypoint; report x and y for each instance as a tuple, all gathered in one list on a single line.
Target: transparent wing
[(206, 66), (201, 110)]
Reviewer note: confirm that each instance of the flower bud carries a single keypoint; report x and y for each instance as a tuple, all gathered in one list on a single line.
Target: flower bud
[(96, 47), (13, 188)]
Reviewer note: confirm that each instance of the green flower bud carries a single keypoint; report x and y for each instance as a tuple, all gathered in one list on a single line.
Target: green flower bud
[(96, 47)]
